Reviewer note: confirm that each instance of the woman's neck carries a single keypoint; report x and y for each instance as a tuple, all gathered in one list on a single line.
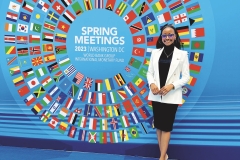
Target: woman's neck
[(169, 48)]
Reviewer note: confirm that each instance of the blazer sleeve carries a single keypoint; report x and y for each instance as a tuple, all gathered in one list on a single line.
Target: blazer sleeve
[(150, 72), (184, 72)]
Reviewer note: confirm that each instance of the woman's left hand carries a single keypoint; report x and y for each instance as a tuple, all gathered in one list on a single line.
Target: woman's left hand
[(165, 89)]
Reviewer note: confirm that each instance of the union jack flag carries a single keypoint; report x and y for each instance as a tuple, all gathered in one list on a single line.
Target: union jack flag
[(88, 83)]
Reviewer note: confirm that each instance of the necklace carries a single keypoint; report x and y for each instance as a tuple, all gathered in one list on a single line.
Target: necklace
[(169, 54)]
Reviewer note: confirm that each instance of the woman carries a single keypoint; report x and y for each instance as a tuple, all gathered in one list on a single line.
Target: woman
[(168, 71)]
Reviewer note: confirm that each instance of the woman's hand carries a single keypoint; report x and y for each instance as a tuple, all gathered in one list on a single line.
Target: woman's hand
[(154, 89), (165, 89)]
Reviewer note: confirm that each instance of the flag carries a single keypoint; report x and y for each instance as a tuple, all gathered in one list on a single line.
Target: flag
[(143, 127), (134, 28), (119, 79), (196, 20), (49, 26), (146, 62), (53, 67), (82, 122), (28, 6), (175, 7), (110, 5), (12, 60), (152, 29), (124, 121), (60, 38), (49, 58), (121, 8), (158, 6), (88, 110), (134, 63), (69, 70), (82, 95), (37, 61), (78, 78), (143, 72), (10, 27), (141, 9), (103, 137), (147, 19), (22, 52), (138, 51), (98, 4), (72, 132), (144, 112), (123, 135), (39, 91), (82, 135), (87, 4), (92, 96), (9, 38), (53, 123), (197, 32), (22, 40), (198, 45), (18, 81), (113, 137), (186, 1), (194, 68), (113, 123), (192, 81), (98, 84), (151, 41), (88, 83), (69, 16), (122, 94), (112, 97), (151, 122), (186, 91), (61, 49), (14, 6), (98, 111), (43, 6), (66, 2), (196, 56), (130, 88), (47, 36), (45, 115), (108, 111), (46, 100), (144, 90), (92, 123), (38, 16), (192, 8), (138, 82), (23, 91), (47, 81), (10, 49), (34, 39), (109, 84), (73, 90), (47, 47), (134, 132), (54, 107), (185, 43), (37, 108), (77, 8), (63, 26), (92, 137), (117, 109), (133, 3), (102, 98), (130, 17), (61, 97), (128, 106), (53, 16), (53, 91), (165, 17), (182, 31), (140, 39), (64, 61), (11, 16), (103, 124), (24, 17), (35, 27), (24, 62), (137, 101), (33, 82), (63, 113), (72, 118), (180, 18), (62, 127), (134, 117), (58, 7), (35, 50), (65, 84), (15, 71)]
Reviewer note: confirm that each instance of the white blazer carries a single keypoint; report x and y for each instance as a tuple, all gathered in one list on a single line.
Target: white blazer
[(178, 75)]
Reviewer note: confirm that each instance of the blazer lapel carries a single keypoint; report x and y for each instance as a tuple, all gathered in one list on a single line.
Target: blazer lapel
[(174, 63)]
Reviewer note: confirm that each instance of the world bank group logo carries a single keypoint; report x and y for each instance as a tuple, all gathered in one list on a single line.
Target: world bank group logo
[(86, 78)]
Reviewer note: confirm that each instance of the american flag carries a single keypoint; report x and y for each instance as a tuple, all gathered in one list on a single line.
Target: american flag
[(78, 78), (88, 83)]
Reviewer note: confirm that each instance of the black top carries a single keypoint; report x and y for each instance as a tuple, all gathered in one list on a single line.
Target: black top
[(164, 64)]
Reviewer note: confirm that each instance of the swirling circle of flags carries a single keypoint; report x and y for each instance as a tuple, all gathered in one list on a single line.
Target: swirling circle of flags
[(113, 110)]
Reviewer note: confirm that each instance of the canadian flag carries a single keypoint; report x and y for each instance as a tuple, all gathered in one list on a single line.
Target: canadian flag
[(53, 123)]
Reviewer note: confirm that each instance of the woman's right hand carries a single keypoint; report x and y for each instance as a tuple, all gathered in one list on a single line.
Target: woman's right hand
[(154, 89)]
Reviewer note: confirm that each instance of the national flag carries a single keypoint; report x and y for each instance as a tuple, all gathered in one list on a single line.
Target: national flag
[(10, 27), (138, 51), (143, 72), (108, 111), (33, 82), (47, 36), (175, 7), (141, 9), (10, 49), (92, 137), (47, 47), (88, 110), (130, 17), (28, 6), (43, 6), (98, 84), (65, 84), (72, 132), (92, 123), (49, 58), (45, 115), (194, 68), (82, 122), (61, 97), (37, 108), (77, 8), (58, 7), (66, 2), (192, 8), (60, 37), (137, 101), (53, 16), (82, 95), (73, 90), (63, 113), (87, 4), (113, 123), (112, 97), (54, 107), (47, 81), (196, 56), (192, 81), (144, 128), (49, 26), (39, 91), (35, 27), (133, 3), (147, 19), (53, 123), (144, 90), (198, 45), (197, 32), (119, 79), (24, 62), (12, 60), (113, 137), (151, 122), (18, 81), (103, 137), (61, 49), (140, 39), (185, 43), (22, 40), (23, 91), (146, 62), (144, 112), (134, 132), (34, 38), (46, 100), (63, 26), (82, 135), (103, 124), (182, 31), (11, 16), (102, 99), (15, 71), (62, 127), (72, 118), (110, 5), (98, 4), (134, 117), (121, 8), (35, 50), (53, 91), (130, 88), (92, 96), (14, 6), (69, 70), (109, 84), (24, 17), (138, 81), (180, 18), (38, 16), (186, 1), (37, 61), (78, 111), (117, 109), (134, 63), (9, 38), (88, 83), (152, 29), (64, 61), (98, 111), (134, 28), (128, 106), (186, 91), (22, 52), (158, 6), (123, 135), (196, 20), (165, 17), (53, 67), (124, 121), (69, 16), (122, 94)]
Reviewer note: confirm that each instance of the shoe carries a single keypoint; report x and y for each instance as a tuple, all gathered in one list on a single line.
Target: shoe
[(166, 157)]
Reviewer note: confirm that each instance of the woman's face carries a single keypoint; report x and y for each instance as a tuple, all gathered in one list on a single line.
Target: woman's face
[(168, 36)]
